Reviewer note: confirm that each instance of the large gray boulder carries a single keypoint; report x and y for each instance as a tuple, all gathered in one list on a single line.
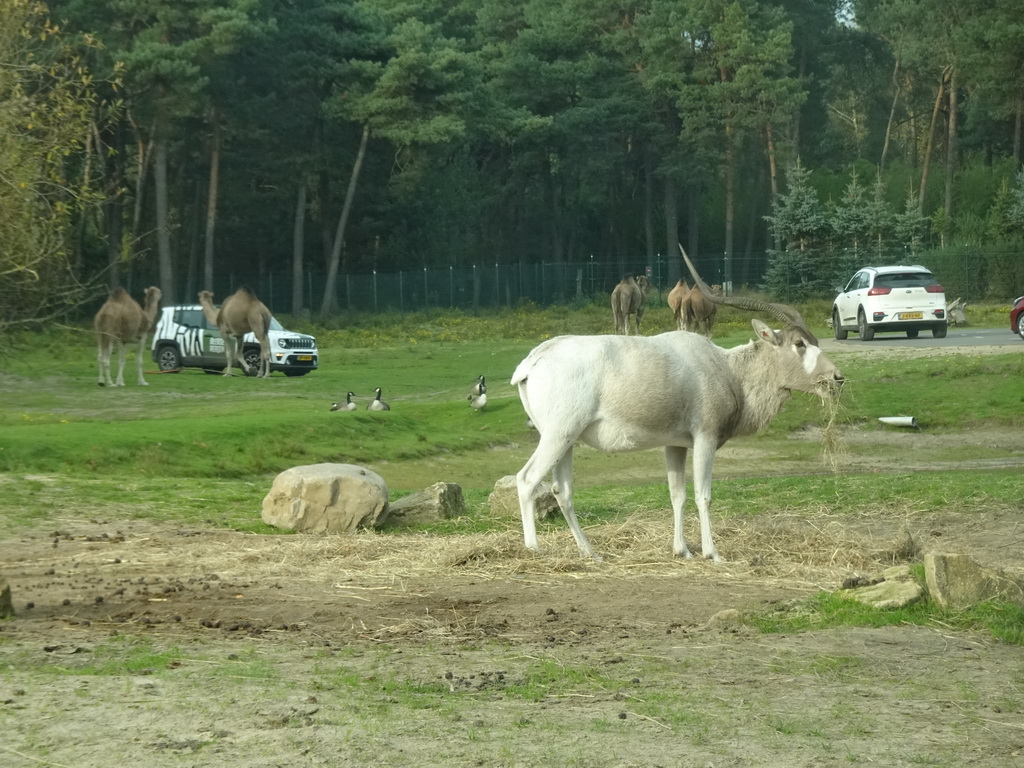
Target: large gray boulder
[(326, 498), (504, 500), (438, 502), (957, 581)]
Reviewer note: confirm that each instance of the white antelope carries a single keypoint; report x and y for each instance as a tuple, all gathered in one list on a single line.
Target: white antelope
[(695, 395)]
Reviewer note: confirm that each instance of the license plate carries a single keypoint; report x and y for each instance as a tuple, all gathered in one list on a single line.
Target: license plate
[(309, 358), (911, 316)]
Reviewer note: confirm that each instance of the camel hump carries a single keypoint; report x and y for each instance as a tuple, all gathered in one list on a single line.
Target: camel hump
[(245, 289), (118, 294)]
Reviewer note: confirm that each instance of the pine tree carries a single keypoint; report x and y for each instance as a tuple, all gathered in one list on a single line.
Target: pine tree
[(798, 221)]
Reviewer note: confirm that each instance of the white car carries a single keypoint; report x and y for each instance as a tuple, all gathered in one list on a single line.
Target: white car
[(183, 338), (897, 299)]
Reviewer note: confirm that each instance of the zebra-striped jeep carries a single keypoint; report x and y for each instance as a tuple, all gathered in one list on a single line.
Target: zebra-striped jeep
[(183, 338)]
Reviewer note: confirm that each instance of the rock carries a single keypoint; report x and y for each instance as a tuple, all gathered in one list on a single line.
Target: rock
[(897, 593), (957, 581), (729, 619), (438, 502), (504, 500), (6, 604), (896, 588), (326, 498)]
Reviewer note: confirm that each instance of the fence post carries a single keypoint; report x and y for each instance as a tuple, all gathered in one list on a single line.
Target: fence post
[(451, 287), (497, 287), (375, 290), (401, 292)]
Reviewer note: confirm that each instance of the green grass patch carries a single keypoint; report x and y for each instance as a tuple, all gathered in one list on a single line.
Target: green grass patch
[(1002, 620)]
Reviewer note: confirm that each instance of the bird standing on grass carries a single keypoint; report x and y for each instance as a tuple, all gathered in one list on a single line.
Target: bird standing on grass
[(479, 400)]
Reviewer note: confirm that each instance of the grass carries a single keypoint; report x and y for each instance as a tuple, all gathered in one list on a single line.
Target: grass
[(193, 448), (1004, 621)]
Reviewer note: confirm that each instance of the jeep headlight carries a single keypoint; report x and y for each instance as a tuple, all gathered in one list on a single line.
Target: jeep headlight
[(282, 343)]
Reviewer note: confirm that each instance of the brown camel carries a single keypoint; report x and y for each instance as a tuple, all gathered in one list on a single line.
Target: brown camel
[(699, 313), (240, 314), (121, 320), (675, 303), (628, 299)]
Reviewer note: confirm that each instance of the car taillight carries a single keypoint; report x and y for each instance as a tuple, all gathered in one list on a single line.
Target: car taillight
[(879, 291), (935, 289)]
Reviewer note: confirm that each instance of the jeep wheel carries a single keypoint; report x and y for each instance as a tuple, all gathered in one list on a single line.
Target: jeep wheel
[(939, 331), (839, 332), (168, 359), (867, 333), (252, 359), (912, 334)]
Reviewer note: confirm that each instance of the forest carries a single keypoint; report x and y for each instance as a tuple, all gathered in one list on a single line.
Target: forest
[(307, 145)]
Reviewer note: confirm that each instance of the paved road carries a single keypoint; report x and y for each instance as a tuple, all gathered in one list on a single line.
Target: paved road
[(956, 337)]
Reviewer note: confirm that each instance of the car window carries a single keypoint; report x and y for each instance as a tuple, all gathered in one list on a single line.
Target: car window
[(193, 318), (858, 281), (905, 280)]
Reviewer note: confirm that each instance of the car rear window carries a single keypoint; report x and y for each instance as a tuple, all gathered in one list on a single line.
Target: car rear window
[(905, 280)]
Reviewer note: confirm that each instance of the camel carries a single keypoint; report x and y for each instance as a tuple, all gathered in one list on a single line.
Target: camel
[(628, 299), (699, 313), (121, 320), (675, 302), (240, 314)]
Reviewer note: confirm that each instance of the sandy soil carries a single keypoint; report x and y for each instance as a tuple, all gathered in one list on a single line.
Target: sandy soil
[(138, 644), (410, 650)]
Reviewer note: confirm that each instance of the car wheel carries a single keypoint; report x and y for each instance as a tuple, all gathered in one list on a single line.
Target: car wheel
[(168, 359), (837, 328), (1020, 325), (939, 331), (252, 359), (867, 333), (912, 334)]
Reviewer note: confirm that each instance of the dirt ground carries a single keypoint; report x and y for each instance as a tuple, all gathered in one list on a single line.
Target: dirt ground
[(409, 650)]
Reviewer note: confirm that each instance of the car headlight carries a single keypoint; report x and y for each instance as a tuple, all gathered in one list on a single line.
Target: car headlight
[(282, 343)]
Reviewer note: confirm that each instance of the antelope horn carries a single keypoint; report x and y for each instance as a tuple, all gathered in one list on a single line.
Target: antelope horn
[(781, 312)]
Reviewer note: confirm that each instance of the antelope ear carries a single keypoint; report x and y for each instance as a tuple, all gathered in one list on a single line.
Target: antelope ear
[(764, 331)]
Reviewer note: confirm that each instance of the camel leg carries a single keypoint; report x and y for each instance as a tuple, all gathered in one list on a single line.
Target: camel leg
[(138, 361), (122, 356), (104, 345)]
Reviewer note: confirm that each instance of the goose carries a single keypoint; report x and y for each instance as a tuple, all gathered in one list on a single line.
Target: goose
[(378, 404), (479, 388), (348, 405), (479, 401)]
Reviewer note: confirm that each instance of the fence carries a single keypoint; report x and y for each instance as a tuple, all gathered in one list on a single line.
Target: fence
[(973, 274)]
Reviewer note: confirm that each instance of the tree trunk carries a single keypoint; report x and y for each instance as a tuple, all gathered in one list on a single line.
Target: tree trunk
[(951, 148), (211, 200), (163, 235), (298, 248), (926, 161), (649, 208), (730, 210), (1018, 122), (339, 236), (773, 172), (892, 111), (672, 230)]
